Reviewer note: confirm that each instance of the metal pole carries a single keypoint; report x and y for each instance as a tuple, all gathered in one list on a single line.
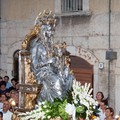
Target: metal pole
[(109, 24), (109, 49)]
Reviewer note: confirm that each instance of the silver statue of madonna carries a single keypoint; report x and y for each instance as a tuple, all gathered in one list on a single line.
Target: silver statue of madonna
[(49, 67)]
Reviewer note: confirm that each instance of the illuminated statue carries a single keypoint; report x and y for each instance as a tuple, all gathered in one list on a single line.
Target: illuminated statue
[(48, 61)]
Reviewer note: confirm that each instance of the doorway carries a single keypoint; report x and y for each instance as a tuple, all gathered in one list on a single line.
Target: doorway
[(16, 65), (83, 71)]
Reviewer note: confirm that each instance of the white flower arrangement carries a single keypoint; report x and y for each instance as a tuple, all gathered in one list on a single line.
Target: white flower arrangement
[(82, 98), (80, 104)]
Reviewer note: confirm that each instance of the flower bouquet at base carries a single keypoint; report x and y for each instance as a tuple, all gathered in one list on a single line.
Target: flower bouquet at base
[(77, 104)]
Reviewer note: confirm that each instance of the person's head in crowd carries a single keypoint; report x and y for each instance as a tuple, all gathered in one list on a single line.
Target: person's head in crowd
[(102, 109), (7, 94), (3, 97), (99, 96), (15, 98), (17, 86), (14, 81), (13, 93), (1, 116), (2, 85), (103, 105), (6, 106), (109, 112), (1, 79), (6, 79)]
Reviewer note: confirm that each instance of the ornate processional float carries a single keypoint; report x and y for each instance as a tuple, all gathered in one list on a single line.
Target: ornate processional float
[(48, 88)]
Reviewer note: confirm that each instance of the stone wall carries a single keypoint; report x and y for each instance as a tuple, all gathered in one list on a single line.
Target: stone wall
[(92, 34), (17, 18)]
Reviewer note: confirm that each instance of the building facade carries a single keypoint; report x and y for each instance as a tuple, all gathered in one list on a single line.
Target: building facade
[(89, 27)]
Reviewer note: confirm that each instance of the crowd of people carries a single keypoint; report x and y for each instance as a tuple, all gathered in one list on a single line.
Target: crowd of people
[(8, 94), (105, 112), (9, 91)]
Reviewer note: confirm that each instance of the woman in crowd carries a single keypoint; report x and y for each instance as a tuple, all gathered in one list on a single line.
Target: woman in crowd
[(99, 97)]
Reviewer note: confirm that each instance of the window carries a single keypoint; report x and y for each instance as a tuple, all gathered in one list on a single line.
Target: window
[(71, 5)]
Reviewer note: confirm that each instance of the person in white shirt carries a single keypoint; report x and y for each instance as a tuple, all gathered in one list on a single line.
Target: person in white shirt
[(7, 114), (102, 109)]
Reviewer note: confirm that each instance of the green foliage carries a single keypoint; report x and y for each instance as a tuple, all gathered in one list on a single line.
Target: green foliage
[(81, 111), (61, 110), (55, 109)]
